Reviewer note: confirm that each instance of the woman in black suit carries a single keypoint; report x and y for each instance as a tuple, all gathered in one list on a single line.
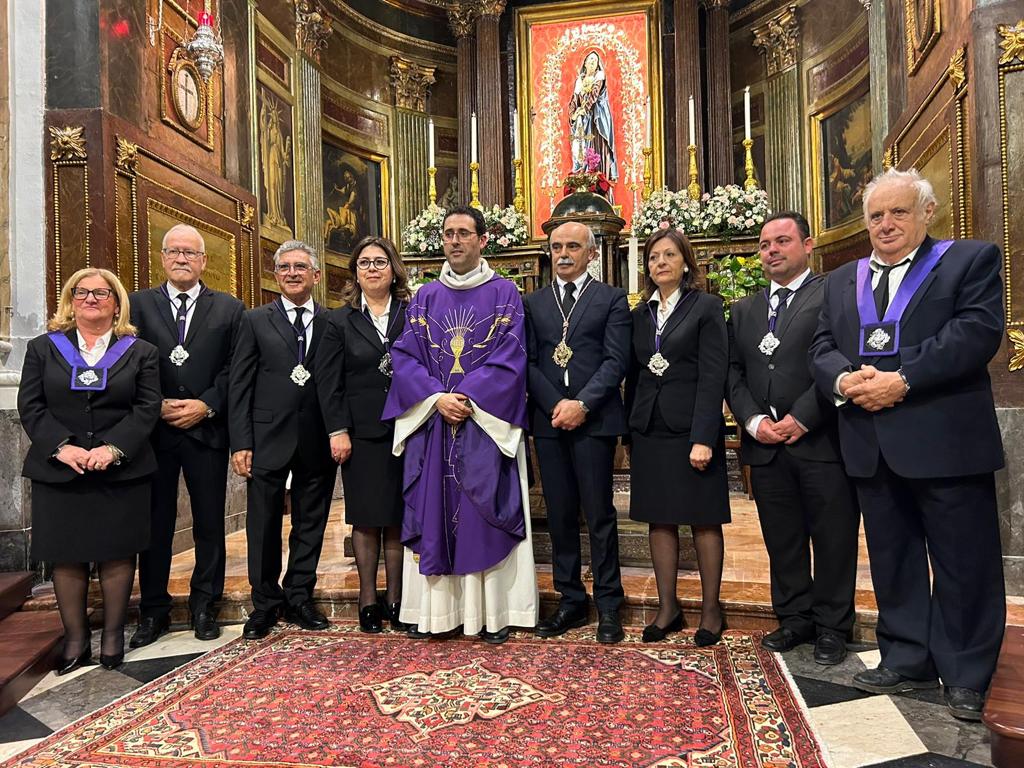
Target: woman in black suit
[(89, 399), (354, 367), (674, 395)]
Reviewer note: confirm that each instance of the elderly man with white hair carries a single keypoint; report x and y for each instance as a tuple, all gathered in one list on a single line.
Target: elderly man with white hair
[(903, 344)]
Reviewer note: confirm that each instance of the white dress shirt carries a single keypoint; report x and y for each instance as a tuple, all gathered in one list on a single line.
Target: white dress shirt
[(307, 316), (193, 295), (94, 355), (667, 307), (380, 322)]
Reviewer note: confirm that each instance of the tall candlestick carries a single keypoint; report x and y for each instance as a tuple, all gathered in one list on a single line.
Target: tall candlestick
[(693, 124), (649, 122), (472, 156), (633, 270), (515, 135), (746, 113), (430, 143)]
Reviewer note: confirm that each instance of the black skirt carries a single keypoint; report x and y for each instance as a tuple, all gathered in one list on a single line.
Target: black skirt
[(665, 489), (89, 519), (372, 478)]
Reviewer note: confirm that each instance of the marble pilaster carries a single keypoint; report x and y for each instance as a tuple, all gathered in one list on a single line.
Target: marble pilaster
[(491, 135), (689, 82), (411, 162), (1010, 498), (310, 219), (878, 64), (460, 20)]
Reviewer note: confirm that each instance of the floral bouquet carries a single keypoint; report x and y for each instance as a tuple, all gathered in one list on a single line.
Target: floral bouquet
[(589, 180), (732, 210), (665, 209), (423, 234), (506, 227)]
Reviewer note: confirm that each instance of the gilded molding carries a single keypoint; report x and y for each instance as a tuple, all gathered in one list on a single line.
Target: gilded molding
[(887, 158), (411, 82), (248, 213), (1013, 42), (712, 5), (67, 143), (779, 40), (491, 8), (312, 27), (957, 69), (1016, 337), (126, 159), (461, 17), (922, 29)]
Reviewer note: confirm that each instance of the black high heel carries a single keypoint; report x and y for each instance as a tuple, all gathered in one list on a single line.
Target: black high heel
[(371, 618), (113, 661), (655, 634), (702, 638), (64, 666)]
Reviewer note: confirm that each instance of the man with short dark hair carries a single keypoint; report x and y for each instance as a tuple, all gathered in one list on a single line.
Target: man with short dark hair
[(804, 499)]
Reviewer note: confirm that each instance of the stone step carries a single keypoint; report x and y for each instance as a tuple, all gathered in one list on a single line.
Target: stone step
[(28, 649), (15, 589)]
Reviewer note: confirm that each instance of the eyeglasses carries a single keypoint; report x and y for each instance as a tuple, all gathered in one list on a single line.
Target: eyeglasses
[(188, 253), (299, 269), (461, 235), (100, 294), (380, 264)]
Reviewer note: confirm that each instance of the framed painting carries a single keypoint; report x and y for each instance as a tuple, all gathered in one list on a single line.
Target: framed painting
[(587, 72), (277, 159), (355, 196)]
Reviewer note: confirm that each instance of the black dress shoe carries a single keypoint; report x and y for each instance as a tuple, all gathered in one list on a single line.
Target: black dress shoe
[(392, 611), (149, 630), (609, 628), (655, 634), (495, 638), (783, 639), (413, 632), (702, 638), (371, 618), (829, 649), (963, 703), (307, 616), (259, 624), (882, 680), (64, 666), (111, 661), (561, 621), (205, 626)]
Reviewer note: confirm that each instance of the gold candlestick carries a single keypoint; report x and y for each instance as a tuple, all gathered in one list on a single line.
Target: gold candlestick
[(474, 186), (694, 187), (748, 165), (519, 200), (432, 189), (648, 174)]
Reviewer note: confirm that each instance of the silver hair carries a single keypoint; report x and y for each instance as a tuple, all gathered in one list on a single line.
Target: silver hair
[(184, 228), (297, 245), (925, 191), (591, 241)]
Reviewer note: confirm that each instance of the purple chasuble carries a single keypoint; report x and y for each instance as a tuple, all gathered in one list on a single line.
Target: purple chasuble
[(463, 503)]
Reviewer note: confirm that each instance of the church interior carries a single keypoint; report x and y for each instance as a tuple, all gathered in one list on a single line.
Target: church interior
[(264, 121)]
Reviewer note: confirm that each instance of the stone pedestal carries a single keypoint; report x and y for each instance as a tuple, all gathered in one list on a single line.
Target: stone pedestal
[(1010, 498), (15, 495)]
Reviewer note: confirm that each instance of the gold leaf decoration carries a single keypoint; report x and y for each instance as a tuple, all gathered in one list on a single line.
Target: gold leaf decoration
[(1017, 339), (127, 158), (247, 214), (1013, 42), (958, 68), (67, 143)]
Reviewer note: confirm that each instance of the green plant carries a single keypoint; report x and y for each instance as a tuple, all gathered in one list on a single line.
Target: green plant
[(736, 277)]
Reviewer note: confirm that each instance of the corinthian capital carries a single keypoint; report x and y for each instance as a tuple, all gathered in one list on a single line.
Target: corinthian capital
[(716, 5), (411, 82), (312, 27), (779, 40), (460, 18), (492, 7)]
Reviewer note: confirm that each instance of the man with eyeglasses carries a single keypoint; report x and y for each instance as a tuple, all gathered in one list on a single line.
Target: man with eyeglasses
[(193, 328), (459, 402), (277, 429), (579, 341)]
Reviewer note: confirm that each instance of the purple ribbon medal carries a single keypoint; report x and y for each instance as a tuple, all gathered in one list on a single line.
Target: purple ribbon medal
[(85, 377), (881, 337)]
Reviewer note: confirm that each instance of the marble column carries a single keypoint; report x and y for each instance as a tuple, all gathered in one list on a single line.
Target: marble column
[(779, 39), (460, 19), (411, 83), (878, 64), (719, 110), (689, 82), (491, 135), (309, 223)]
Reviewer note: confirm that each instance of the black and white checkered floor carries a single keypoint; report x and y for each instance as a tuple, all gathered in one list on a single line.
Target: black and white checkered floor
[(858, 729)]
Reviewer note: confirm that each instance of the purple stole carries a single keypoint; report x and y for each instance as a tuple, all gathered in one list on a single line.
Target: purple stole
[(91, 378), (881, 337)]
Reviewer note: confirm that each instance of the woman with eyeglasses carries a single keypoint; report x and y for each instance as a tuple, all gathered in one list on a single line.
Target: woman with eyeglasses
[(354, 363), (89, 399)]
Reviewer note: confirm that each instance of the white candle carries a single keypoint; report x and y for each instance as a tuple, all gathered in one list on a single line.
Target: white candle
[(649, 143), (746, 112), (515, 135), (693, 124), (634, 266), (430, 142), (472, 155)]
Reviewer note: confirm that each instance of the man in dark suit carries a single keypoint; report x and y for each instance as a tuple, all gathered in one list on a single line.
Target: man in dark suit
[(276, 429), (903, 343), (804, 498), (578, 340), (192, 327)]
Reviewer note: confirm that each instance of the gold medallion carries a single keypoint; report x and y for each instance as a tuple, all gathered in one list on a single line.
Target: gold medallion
[(562, 354)]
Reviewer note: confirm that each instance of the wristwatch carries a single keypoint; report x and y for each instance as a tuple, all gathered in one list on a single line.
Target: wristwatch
[(210, 413), (904, 377), (583, 406)]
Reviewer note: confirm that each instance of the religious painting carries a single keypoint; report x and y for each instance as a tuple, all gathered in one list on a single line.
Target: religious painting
[(353, 197), (587, 77), (277, 157), (845, 163), (936, 165), (221, 271), (447, 184)]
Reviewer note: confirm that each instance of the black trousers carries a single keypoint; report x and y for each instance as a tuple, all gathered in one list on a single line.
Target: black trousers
[(951, 625), (805, 505), (311, 489), (576, 470), (206, 477)]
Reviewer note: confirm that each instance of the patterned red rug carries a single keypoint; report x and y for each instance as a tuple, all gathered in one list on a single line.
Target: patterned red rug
[(342, 698)]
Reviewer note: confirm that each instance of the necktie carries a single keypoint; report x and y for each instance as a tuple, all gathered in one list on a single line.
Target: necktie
[(300, 332), (881, 290), (568, 298), (782, 294), (182, 314)]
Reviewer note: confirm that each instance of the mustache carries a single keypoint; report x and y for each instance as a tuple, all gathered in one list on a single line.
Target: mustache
[(565, 262)]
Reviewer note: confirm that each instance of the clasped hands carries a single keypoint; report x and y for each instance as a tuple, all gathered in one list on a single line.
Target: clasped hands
[(873, 389), (567, 415), (183, 414), (786, 430), (454, 408), (80, 459)]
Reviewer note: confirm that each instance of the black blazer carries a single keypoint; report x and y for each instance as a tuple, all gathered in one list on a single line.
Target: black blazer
[(783, 380), (691, 392), (351, 388), (599, 331), (204, 376), (951, 329), (122, 415), (268, 413)]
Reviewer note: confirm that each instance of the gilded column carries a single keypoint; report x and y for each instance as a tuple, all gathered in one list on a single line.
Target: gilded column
[(411, 83), (779, 40), (689, 82), (719, 111), (460, 19), (491, 136)]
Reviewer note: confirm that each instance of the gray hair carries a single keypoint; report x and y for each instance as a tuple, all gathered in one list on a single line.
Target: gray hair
[(297, 245), (184, 228), (925, 191)]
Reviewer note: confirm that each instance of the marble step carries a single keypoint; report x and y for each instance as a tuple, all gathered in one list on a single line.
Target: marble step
[(29, 642), (15, 589)]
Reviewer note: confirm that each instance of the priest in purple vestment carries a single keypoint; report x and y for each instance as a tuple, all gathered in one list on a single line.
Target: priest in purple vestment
[(458, 398)]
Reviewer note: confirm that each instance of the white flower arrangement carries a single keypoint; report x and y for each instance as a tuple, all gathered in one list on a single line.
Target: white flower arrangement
[(423, 234), (506, 227), (732, 210), (664, 209)]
